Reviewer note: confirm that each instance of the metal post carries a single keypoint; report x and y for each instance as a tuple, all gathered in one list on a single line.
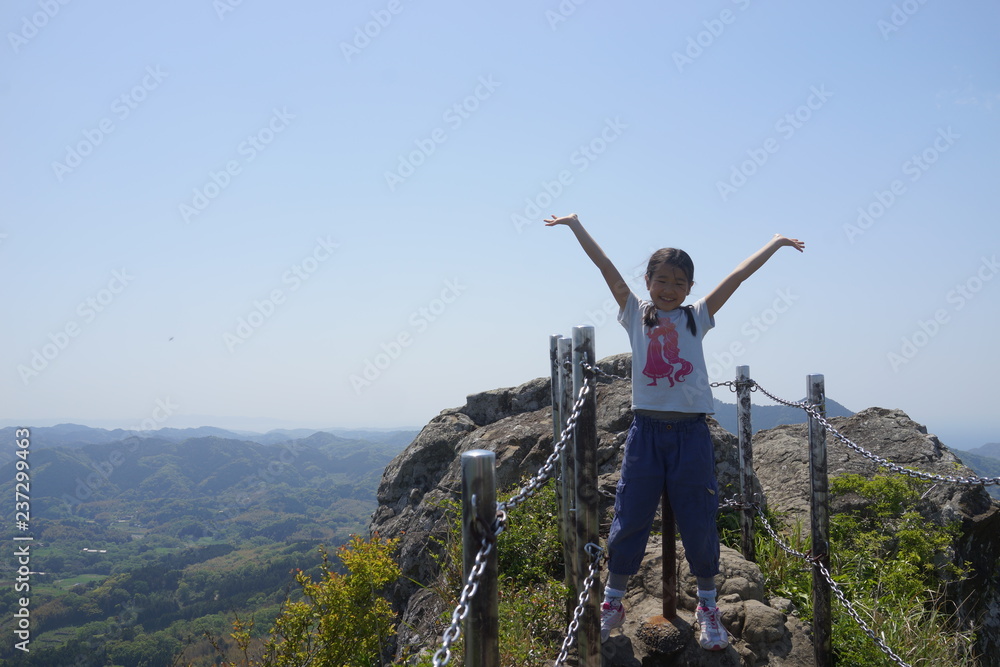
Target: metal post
[(564, 350), (589, 636), (746, 461), (669, 561), (820, 521), (555, 394), (479, 510)]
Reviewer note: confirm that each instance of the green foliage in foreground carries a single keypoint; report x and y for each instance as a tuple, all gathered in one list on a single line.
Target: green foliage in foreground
[(532, 596), (892, 565), (341, 621)]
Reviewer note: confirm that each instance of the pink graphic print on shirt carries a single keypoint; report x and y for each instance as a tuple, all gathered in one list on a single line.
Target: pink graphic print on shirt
[(663, 354)]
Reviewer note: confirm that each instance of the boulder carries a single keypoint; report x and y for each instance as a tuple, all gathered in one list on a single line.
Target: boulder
[(759, 633)]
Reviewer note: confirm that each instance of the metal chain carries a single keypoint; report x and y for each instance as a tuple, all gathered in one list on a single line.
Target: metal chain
[(728, 383), (604, 373), (454, 631), (894, 467), (736, 503), (794, 404), (596, 553), (854, 614), (545, 472), (777, 539), (813, 411)]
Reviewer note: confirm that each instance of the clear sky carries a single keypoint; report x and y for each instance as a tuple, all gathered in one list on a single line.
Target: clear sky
[(255, 214)]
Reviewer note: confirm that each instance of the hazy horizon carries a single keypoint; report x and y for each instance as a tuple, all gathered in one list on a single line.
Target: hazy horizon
[(954, 436)]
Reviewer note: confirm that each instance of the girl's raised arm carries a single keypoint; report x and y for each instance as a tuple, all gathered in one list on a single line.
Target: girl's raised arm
[(718, 296), (619, 288)]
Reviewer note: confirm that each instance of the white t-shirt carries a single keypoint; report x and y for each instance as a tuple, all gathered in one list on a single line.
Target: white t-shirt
[(668, 362)]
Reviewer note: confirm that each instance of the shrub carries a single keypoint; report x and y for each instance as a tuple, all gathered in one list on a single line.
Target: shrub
[(893, 566), (531, 595), (341, 620)]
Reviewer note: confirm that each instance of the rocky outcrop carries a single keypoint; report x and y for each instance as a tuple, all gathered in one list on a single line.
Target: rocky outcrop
[(763, 631), (515, 423), (781, 459)]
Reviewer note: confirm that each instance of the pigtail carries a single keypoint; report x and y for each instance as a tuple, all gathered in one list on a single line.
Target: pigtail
[(692, 326), (650, 319)]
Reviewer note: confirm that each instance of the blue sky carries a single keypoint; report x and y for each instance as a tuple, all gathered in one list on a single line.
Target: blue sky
[(258, 214)]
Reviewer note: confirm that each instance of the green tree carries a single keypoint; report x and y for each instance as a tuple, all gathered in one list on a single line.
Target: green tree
[(342, 620)]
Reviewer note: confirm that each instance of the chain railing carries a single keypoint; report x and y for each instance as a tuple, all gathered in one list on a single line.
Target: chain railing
[(894, 467), (530, 488), (595, 552), (454, 631), (547, 471), (857, 617), (815, 561)]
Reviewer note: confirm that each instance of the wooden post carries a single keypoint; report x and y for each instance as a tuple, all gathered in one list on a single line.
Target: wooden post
[(747, 543), (571, 560), (820, 522), (479, 508), (587, 497)]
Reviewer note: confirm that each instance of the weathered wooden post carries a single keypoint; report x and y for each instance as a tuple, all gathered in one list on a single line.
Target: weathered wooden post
[(479, 512), (746, 515), (571, 561), (587, 497), (820, 523)]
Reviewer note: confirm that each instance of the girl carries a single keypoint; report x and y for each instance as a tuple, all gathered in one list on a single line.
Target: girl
[(669, 448)]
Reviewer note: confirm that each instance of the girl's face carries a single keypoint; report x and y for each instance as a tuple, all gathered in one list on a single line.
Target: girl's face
[(668, 286)]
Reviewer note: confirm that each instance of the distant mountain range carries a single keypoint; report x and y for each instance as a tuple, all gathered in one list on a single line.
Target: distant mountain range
[(74, 436), (985, 461), (764, 417), (990, 450)]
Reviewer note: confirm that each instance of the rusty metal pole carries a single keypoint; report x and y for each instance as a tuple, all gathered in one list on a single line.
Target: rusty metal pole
[(587, 497), (746, 515), (820, 524), (669, 560), (479, 509)]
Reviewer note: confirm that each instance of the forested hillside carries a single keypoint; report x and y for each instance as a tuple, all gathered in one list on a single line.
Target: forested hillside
[(985, 461), (143, 544)]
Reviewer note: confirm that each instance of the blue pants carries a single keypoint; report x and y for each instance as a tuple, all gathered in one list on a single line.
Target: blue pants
[(676, 458)]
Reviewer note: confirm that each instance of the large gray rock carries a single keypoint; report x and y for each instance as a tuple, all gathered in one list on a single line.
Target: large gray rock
[(760, 634)]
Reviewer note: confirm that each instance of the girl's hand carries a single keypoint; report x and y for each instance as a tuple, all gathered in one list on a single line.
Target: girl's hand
[(567, 220), (795, 243)]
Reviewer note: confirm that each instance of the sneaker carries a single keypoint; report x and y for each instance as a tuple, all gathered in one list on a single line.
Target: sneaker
[(612, 616), (714, 636)]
